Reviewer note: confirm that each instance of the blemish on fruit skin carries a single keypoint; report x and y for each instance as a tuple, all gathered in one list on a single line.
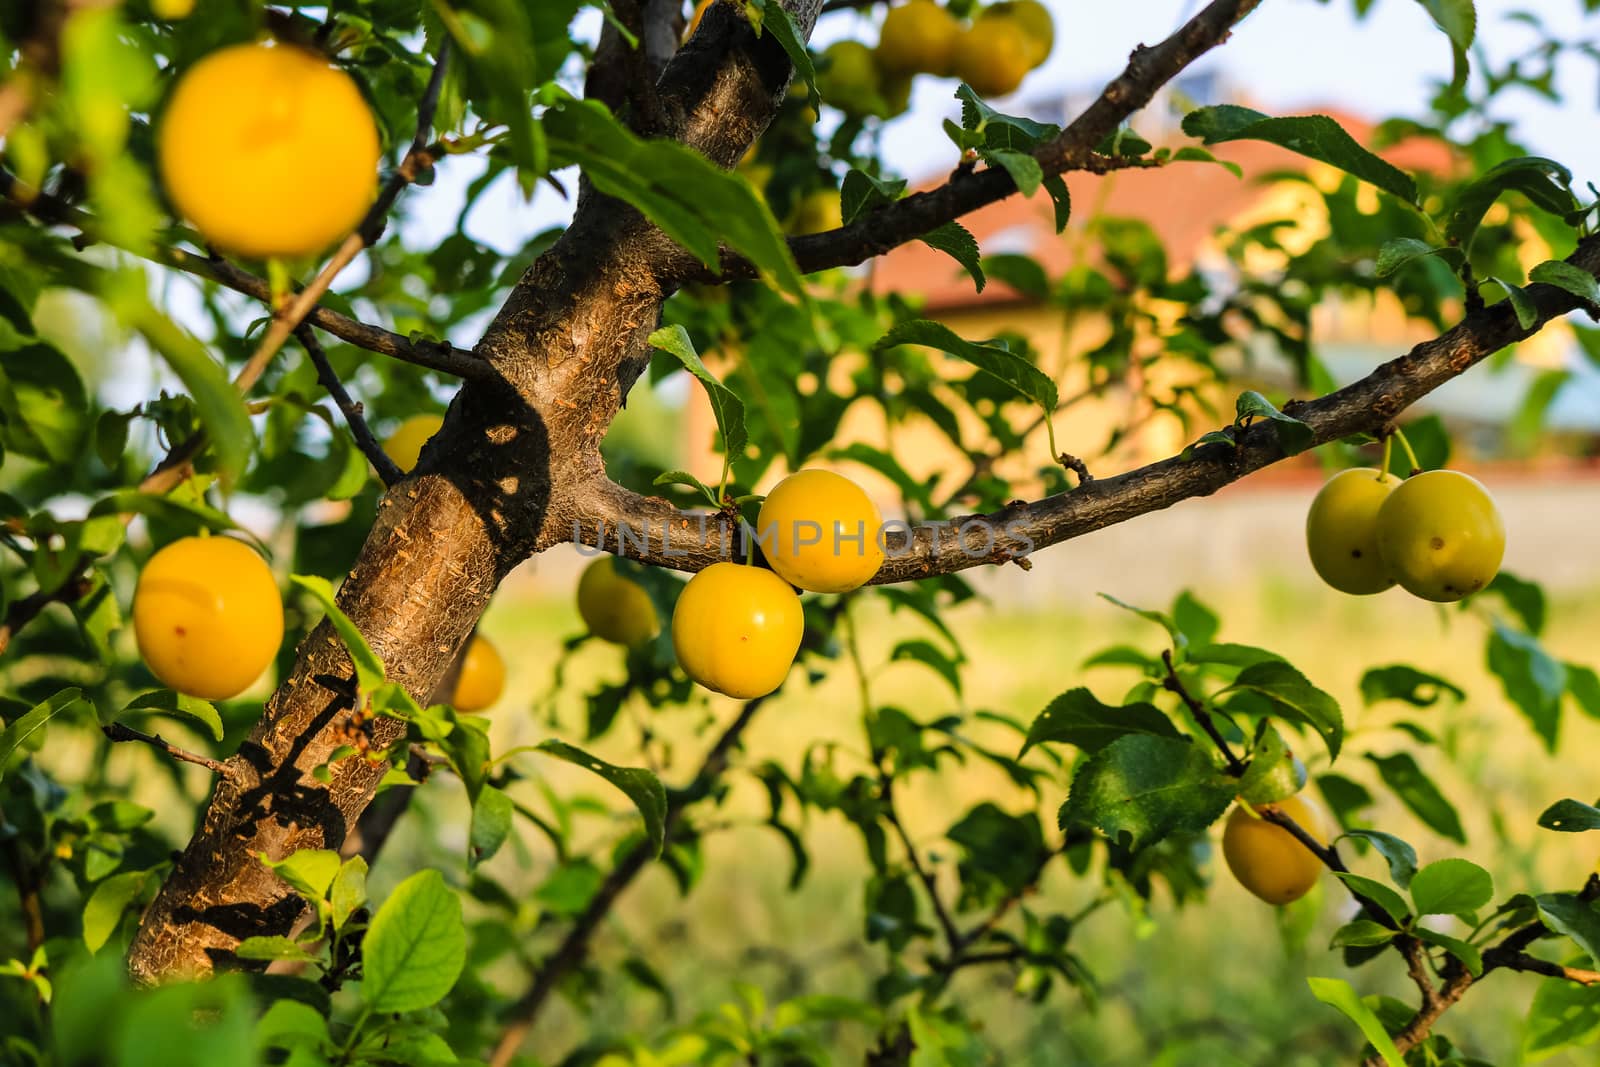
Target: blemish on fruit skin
[(1355, 553), (1436, 543)]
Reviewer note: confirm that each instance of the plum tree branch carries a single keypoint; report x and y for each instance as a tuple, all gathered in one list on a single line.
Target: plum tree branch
[(1172, 683), (687, 540), (430, 355), (354, 415), (117, 732), (967, 190)]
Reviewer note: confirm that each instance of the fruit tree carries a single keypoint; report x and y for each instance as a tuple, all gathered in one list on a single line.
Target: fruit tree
[(274, 439)]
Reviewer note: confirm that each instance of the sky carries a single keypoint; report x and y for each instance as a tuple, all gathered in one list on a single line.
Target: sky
[(1290, 57)]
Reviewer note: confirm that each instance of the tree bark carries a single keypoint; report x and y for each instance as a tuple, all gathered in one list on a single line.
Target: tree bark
[(494, 486)]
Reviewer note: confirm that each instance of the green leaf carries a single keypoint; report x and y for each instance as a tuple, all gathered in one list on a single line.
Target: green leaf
[(25, 725), (416, 946), (861, 192), (1293, 435), (694, 202), (1570, 817), (1531, 678), (1401, 252), (1468, 954), (1392, 903), (1339, 994), (168, 702), (926, 652), (275, 947), (1564, 1015), (491, 824), (1147, 787), (1001, 363), (1523, 597), (1451, 887), (1313, 136), (639, 785), (1025, 171), (348, 894), (44, 408), (310, 871), (1527, 312), (1543, 181), (1584, 685), (219, 405), (775, 19), (955, 241), (999, 130), (725, 404), (1361, 932), (1401, 682), (1290, 695), (1078, 718), (1575, 280), (291, 1024), (103, 912), (1570, 914), (1060, 198), (1402, 858), (369, 668), (1417, 791)]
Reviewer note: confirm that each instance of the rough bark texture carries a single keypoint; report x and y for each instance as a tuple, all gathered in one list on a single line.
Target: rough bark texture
[(490, 489)]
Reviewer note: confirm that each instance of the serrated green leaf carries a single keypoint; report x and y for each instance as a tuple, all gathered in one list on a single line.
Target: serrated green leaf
[(1291, 696), (1400, 252), (1147, 787), (1526, 311), (1078, 718), (1543, 181), (1000, 363), (861, 193), (1570, 817), (725, 404), (775, 19), (1313, 136), (416, 946), (34, 719), (1451, 887), (103, 911), (1401, 857), (1575, 280), (954, 241), (168, 702), (1533, 680), (491, 824), (639, 785), (1392, 903), (348, 894), (369, 668), (1417, 791), (1468, 954), (309, 871), (1361, 932), (1406, 683), (1570, 914), (1293, 435)]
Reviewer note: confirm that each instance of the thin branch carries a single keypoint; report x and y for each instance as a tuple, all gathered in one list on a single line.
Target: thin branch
[(116, 731), (351, 409), (575, 946), (430, 355), (952, 933), (27, 881), (685, 540), (967, 190), (1174, 684), (21, 612)]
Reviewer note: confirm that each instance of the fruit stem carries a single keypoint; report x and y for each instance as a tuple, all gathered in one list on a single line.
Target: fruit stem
[(1411, 455), (1050, 433), (1388, 448)]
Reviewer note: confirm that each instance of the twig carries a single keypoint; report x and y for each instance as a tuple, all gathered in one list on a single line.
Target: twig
[(27, 881), (351, 409), (1174, 684), (417, 160), (21, 612), (575, 946), (952, 934), (116, 731)]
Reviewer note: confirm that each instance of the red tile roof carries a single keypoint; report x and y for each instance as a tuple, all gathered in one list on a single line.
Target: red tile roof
[(1185, 203)]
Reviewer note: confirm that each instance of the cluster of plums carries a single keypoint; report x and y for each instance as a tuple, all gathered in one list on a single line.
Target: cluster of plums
[(736, 628), (1437, 534)]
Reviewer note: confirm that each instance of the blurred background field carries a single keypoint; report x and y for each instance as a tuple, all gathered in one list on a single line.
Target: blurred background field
[(1210, 984)]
